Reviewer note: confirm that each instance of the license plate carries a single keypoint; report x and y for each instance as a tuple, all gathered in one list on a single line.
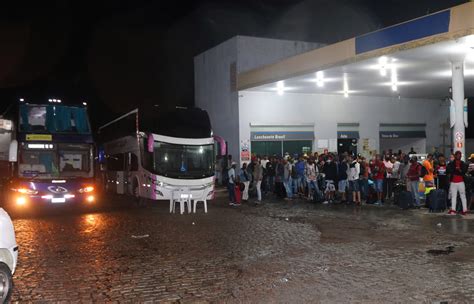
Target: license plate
[(56, 200), (185, 195)]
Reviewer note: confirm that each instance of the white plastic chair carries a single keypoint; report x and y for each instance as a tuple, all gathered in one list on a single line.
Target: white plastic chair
[(180, 197), (197, 201)]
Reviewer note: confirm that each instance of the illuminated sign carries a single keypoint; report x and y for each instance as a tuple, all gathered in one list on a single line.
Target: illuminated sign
[(39, 137)]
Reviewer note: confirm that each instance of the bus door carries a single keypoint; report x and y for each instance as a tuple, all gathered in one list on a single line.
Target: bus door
[(115, 173)]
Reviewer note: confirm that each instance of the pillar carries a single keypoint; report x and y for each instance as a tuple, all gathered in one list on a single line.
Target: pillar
[(459, 138)]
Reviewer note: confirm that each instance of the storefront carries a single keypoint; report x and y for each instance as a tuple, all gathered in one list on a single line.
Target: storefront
[(279, 140), (347, 138), (403, 137)]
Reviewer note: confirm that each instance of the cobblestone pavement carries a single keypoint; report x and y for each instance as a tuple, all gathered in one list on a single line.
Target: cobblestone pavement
[(270, 253)]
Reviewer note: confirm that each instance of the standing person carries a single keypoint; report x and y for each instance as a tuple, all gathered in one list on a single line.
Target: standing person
[(388, 180), (413, 177), (443, 182), (342, 169), (270, 169), (428, 178), (364, 178), (245, 179), (294, 178), (378, 172), (287, 178), (279, 177), (456, 171), (257, 178), (330, 172), (354, 172), (231, 184), (411, 151), (311, 176), (263, 163), (300, 171)]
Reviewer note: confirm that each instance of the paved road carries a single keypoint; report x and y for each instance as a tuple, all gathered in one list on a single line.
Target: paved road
[(270, 253)]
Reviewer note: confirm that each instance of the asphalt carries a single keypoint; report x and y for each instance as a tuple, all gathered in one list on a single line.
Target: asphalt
[(281, 252)]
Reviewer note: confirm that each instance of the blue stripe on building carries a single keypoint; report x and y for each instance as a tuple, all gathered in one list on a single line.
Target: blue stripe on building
[(419, 28)]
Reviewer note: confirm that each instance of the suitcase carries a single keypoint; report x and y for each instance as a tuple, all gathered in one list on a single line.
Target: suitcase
[(238, 194), (406, 200), (437, 200)]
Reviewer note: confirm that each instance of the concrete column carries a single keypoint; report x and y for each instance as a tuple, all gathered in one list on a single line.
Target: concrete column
[(459, 138)]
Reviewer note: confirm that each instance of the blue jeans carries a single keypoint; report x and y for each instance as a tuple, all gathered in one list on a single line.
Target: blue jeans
[(294, 185), (287, 183), (378, 183), (230, 188), (270, 183), (414, 190)]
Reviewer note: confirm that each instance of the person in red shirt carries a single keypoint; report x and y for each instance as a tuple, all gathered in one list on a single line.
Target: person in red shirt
[(413, 177), (456, 171), (378, 173)]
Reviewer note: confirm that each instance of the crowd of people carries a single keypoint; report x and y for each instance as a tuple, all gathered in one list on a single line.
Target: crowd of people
[(352, 179)]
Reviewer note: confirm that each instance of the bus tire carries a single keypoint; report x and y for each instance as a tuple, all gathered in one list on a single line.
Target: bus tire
[(6, 283)]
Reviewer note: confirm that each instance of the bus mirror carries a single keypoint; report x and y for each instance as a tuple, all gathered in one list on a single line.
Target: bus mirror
[(150, 143), (13, 151)]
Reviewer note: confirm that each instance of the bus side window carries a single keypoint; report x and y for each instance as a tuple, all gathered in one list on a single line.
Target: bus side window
[(115, 162), (133, 162)]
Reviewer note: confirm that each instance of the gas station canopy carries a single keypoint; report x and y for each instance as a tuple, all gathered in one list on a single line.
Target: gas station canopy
[(409, 60)]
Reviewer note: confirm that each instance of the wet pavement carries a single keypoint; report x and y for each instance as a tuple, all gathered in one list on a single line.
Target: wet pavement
[(269, 253)]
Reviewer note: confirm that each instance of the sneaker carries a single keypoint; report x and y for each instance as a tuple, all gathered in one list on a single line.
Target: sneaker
[(451, 212), (378, 203), (237, 204), (231, 204), (325, 202), (464, 213)]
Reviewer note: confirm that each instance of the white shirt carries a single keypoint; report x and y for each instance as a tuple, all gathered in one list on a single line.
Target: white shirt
[(231, 175)]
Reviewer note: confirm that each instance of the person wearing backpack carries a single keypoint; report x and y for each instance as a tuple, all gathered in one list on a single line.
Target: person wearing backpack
[(413, 178)]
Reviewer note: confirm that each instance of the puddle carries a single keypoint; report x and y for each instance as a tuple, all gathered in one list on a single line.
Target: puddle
[(448, 250)]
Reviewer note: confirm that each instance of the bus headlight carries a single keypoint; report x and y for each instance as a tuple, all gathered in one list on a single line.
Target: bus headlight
[(86, 189), (25, 191), (21, 200)]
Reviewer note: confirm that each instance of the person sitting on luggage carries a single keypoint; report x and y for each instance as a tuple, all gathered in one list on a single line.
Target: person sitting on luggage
[(456, 171)]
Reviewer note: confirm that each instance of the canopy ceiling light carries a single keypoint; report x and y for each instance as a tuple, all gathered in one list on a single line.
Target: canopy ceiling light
[(280, 87), (320, 79), (346, 86)]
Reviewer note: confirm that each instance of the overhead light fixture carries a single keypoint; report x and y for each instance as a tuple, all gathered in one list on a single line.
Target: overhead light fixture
[(320, 79), (280, 87), (383, 65), (346, 86), (84, 103), (21, 99), (50, 100)]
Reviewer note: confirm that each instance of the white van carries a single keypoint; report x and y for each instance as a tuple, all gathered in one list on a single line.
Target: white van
[(8, 256)]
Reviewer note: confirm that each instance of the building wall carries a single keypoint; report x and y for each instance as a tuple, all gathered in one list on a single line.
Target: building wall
[(326, 111), (215, 74)]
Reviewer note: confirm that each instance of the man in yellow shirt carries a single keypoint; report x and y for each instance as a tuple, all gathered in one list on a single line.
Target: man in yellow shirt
[(428, 178)]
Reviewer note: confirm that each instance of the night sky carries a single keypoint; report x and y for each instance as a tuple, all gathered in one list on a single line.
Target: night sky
[(116, 54)]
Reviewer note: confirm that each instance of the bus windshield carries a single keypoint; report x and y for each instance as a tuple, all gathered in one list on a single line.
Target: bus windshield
[(183, 161), (53, 119), (55, 160)]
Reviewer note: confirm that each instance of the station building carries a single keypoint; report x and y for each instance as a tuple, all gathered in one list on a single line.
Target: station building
[(397, 88)]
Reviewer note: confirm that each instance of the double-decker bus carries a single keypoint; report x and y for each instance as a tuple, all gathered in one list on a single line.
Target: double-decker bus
[(150, 153), (47, 154)]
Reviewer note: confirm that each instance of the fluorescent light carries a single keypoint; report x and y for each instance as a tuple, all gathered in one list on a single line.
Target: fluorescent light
[(280, 87), (21, 99), (320, 79), (383, 65), (394, 87), (36, 146), (84, 103)]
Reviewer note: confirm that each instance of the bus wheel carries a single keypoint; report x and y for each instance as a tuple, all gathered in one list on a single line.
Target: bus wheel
[(6, 283)]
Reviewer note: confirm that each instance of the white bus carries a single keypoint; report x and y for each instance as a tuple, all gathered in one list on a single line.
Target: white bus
[(151, 154)]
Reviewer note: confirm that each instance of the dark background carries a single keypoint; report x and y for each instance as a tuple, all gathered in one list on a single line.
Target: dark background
[(118, 54)]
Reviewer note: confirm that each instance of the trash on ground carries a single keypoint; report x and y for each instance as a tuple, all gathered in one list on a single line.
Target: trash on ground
[(140, 236)]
